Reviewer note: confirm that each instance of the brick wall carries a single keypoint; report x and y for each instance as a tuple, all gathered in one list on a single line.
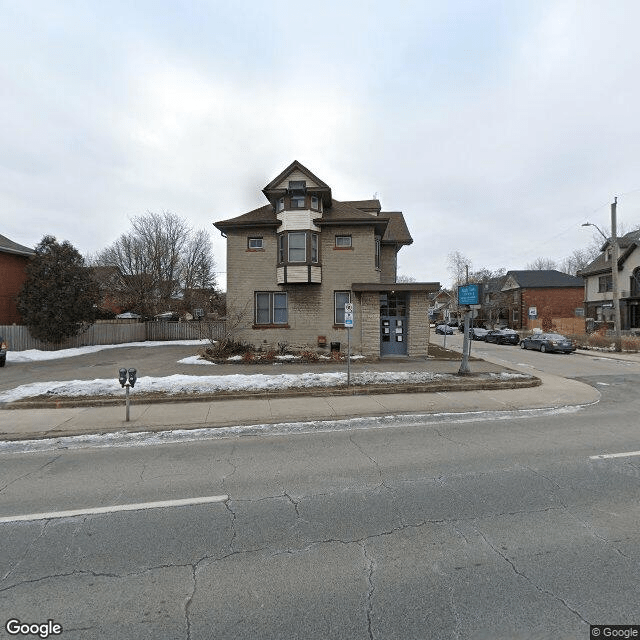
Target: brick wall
[(12, 276), (560, 302), (418, 324), (310, 306)]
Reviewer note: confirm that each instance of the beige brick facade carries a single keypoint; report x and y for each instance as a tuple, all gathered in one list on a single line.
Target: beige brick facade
[(310, 306)]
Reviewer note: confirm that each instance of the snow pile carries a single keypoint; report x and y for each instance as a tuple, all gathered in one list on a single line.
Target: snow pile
[(181, 384), (34, 355)]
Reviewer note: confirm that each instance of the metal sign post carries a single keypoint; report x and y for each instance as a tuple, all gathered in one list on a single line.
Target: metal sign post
[(348, 323)]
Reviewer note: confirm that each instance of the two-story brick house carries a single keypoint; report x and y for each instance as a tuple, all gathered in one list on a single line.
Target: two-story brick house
[(293, 263), (548, 291)]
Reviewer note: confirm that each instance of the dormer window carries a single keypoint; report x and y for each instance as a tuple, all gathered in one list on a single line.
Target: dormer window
[(315, 203), (607, 255)]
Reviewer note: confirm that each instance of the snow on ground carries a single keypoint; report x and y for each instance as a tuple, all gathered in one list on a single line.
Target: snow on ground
[(195, 360), (33, 355), (181, 384)]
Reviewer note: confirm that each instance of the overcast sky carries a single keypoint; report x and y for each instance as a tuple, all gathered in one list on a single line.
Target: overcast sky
[(497, 127)]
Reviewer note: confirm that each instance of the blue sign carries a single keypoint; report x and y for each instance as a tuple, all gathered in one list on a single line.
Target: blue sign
[(470, 294)]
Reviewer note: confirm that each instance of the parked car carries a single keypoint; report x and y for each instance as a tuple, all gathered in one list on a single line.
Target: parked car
[(502, 336), (3, 351), (444, 328), (548, 342)]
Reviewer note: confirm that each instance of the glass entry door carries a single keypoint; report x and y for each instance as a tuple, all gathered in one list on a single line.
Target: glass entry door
[(393, 324)]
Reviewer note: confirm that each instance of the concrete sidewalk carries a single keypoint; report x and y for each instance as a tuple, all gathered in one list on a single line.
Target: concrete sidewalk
[(26, 424)]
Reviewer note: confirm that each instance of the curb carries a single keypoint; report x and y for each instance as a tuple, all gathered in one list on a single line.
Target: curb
[(466, 383)]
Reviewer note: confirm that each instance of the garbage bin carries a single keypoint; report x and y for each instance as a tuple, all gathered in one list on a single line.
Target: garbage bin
[(335, 346)]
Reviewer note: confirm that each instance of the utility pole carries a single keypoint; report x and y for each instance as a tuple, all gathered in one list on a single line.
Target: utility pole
[(614, 275)]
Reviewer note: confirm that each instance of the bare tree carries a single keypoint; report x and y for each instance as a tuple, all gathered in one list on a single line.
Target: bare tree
[(579, 259), (404, 278), (164, 263), (542, 264), (457, 264)]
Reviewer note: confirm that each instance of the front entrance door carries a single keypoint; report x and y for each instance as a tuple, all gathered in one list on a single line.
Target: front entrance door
[(393, 324)]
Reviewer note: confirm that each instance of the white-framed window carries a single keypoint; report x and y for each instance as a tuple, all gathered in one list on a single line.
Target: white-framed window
[(343, 242), (340, 299), (297, 202), (297, 246), (280, 205), (271, 307), (314, 248), (256, 243), (282, 252), (315, 203)]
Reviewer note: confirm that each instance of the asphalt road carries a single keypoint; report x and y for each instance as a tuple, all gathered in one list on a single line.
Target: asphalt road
[(488, 528)]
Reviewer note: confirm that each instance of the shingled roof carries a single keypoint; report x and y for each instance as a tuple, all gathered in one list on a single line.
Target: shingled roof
[(9, 246), (627, 244), (544, 278), (390, 226)]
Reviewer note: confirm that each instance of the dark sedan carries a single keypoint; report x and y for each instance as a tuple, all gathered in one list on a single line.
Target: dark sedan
[(444, 328), (548, 342), (477, 333), (502, 336)]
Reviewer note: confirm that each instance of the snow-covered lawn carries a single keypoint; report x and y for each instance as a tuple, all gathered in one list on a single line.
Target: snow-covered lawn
[(181, 384), (33, 355)]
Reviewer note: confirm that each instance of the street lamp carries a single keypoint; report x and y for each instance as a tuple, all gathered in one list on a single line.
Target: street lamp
[(591, 224), (614, 271)]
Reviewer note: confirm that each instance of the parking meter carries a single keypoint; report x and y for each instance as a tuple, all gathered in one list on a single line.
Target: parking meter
[(122, 376), (133, 376)]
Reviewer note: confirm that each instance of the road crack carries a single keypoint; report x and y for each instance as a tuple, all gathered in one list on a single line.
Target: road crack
[(527, 579)]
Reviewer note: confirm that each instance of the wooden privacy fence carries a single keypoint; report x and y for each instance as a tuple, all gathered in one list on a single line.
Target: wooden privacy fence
[(19, 338)]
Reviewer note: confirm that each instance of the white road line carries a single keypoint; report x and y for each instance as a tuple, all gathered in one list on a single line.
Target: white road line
[(114, 508), (604, 456)]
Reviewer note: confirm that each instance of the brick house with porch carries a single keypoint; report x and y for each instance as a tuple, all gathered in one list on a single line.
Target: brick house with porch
[(293, 263), (13, 260)]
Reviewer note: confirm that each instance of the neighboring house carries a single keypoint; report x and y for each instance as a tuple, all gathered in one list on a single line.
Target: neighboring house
[(13, 260), (598, 283), (293, 263), (551, 292), (442, 306)]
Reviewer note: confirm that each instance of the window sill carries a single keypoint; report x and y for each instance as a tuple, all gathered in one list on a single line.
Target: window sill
[(343, 248), (254, 250), (270, 326), (339, 326)]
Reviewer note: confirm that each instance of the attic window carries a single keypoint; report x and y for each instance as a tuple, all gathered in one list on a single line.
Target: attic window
[(315, 203), (607, 255), (280, 205), (297, 185)]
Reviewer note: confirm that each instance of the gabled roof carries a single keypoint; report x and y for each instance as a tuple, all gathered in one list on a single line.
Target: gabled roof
[(390, 226), (543, 278), (627, 244), (9, 246), (274, 188)]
